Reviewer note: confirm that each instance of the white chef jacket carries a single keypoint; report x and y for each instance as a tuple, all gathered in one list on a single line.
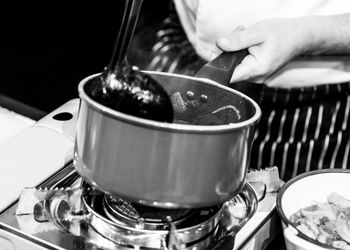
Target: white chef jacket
[(204, 21)]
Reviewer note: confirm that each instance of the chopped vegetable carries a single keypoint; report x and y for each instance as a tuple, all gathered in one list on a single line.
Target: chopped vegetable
[(328, 223)]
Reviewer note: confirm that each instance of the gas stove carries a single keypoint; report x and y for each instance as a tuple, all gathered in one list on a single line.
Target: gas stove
[(52, 207)]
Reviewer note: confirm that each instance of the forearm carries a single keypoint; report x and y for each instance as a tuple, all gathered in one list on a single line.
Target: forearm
[(328, 35), (273, 43)]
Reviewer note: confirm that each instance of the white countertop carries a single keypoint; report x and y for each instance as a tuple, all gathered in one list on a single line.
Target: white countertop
[(12, 123), (31, 151)]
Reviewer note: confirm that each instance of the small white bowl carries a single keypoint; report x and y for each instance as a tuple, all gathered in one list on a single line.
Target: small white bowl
[(303, 191)]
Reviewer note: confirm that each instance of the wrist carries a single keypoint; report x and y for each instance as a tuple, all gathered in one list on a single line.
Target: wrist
[(311, 37), (326, 35)]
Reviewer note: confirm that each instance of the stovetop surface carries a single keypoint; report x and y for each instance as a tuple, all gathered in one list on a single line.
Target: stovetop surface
[(49, 235), (46, 235)]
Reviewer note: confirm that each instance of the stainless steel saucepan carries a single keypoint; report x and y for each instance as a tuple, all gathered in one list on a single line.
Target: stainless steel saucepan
[(189, 163)]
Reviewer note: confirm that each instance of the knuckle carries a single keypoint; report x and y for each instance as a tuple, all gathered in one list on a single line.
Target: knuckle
[(262, 68)]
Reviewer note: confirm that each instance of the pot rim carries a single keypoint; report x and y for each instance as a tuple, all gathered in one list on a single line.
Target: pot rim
[(173, 126), (291, 182)]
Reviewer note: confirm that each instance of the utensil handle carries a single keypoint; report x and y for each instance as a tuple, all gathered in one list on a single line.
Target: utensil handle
[(222, 67), (126, 31)]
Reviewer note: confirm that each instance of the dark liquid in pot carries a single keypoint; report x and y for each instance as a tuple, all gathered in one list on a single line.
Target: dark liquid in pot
[(197, 111), (135, 99), (217, 117)]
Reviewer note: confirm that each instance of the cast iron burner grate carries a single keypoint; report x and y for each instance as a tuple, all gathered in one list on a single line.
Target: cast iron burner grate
[(120, 210), (129, 224)]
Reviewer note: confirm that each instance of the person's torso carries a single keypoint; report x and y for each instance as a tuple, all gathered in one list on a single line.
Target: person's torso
[(206, 20)]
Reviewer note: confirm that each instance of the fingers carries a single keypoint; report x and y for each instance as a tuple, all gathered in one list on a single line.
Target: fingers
[(244, 70), (252, 39), (250, 69), (239, 39)]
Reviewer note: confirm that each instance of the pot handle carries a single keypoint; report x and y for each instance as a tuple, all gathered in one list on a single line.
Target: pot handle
[(221, 68)]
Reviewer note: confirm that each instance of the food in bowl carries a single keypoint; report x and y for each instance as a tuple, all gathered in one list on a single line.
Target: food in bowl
[(327, 222), (324, 188)]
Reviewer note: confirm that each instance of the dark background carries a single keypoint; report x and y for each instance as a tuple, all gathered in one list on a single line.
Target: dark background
[(50, 46)]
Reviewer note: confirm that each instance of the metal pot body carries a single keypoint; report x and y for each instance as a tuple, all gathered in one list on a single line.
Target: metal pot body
[(161, 164)]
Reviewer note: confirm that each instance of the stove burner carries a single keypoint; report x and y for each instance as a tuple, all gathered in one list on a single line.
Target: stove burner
[(99, 219), (130, 224), (122, 211)]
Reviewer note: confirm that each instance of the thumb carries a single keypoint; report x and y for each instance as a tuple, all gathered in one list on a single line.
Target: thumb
[(238, 40)]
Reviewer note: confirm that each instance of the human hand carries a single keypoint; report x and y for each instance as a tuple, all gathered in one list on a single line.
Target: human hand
[(271, 44)]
